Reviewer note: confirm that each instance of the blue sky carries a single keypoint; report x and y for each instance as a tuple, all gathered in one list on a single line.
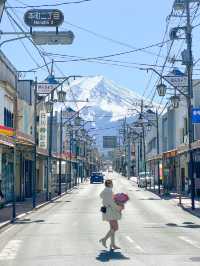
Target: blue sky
[(136, 23)]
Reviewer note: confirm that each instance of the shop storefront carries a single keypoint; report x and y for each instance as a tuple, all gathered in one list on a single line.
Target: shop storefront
[(6, 165), (170, 166), (154, 165), (182, 171), (196, 158), (25, 144)]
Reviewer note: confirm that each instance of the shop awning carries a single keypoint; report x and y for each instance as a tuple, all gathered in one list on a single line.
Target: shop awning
[(2, 142), (182, 148), (24, 139), (170, 154), (41, 151), (7, 141), (196, 144), (6, 131), (155, 157)]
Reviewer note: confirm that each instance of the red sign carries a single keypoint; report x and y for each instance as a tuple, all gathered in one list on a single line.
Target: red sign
[(6, 131)]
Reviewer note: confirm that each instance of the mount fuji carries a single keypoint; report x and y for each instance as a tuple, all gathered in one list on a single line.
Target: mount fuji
[(103, 102)]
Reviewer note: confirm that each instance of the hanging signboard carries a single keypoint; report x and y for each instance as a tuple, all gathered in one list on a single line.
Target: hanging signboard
[(177, 79), (6, 131), (109, 142), (43, 18), (53, 38), (43, 120), (45, 88)]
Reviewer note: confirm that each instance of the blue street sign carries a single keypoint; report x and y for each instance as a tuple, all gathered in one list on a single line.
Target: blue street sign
[(196, 115)]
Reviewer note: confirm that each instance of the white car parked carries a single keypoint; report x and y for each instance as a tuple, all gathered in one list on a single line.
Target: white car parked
[(144, 181)]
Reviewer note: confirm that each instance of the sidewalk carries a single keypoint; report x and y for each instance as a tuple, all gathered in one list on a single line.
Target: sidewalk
[(174, 199), (185, 203), (24, 207), (21, 207)]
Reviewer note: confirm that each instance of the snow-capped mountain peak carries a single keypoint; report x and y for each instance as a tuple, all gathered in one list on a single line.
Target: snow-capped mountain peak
[(104, 95)]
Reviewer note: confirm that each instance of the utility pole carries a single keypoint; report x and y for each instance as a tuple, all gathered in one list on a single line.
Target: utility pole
[(189, 99), (158, 150), (15, 159), (129, 154), (70, 156), (144, 155), (2, 7), (143, 140), (49, 175), (34, 178), (76, 157), (61, 150), (124, 142), (49, 161)]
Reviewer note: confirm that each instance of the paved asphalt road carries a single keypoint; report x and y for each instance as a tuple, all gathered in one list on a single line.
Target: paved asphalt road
[(153, 232)]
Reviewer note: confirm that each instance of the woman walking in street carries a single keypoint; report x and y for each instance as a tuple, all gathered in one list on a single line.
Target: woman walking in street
[(111, 213)]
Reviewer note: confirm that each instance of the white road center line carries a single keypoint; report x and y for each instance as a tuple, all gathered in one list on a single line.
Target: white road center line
[(135, 244), (10, 250), (189, 241)]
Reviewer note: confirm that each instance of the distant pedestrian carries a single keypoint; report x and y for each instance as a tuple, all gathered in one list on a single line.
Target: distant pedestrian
[(111, 213)]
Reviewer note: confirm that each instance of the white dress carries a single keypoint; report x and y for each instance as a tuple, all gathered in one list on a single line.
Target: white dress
[(112, 212)]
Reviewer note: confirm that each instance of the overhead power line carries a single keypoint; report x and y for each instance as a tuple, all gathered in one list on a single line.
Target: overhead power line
[(159, 53), (29, 38), (111, 55), (25, 48), (102, 36), (48, 5), (165, 62)]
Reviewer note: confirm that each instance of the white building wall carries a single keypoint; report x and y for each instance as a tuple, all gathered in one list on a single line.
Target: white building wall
[(2, 93), (180, 115)]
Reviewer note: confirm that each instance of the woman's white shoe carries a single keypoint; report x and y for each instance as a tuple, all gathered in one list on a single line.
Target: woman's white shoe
[(113, 247)]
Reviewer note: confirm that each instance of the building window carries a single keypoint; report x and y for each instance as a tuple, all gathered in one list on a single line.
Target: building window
[(8, 118), (185, 126)]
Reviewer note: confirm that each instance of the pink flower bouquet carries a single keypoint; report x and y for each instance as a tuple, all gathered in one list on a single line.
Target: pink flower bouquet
[(120, 198)]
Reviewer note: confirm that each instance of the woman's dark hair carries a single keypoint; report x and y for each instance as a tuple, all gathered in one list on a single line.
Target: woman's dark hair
[(108, 182)]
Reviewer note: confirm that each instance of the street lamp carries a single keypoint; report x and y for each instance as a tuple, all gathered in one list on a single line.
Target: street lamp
[(189, 96), (83, 132), (61, 95), (69, 127), (149, 126), (175, 101), (49, 106), (161, 89), (77, 121), (179, 5)]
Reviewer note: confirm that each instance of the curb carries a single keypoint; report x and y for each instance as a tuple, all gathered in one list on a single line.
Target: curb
[(38, 207), (174, 202), (190, 211)]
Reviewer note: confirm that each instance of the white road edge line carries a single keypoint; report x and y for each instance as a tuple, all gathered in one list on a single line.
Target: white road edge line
[(7, 230), (10, 250), (135, 244), (189, 241)]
